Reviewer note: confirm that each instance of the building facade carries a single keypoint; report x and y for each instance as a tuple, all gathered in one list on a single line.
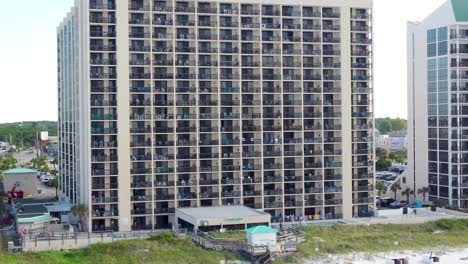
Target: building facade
[(437, 104), (166, 104)]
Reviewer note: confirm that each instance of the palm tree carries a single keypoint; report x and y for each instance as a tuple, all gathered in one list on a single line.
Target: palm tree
[(395, 187), (54, 183), (381, 188), (407, 192), (424, 191), (81, 211)]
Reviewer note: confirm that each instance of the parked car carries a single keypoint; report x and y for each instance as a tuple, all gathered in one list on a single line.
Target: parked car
[(398, 204), (45, 179), (385, 202)]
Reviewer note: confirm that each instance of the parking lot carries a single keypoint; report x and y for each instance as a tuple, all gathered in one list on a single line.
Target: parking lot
[(44, 190)]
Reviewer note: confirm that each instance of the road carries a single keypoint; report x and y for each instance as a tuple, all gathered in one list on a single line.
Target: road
[(24, 156)]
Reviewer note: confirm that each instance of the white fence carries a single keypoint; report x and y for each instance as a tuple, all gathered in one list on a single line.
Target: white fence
[(61, 241)]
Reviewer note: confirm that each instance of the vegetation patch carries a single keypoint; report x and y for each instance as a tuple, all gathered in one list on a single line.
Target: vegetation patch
[(344, 239), (163, 248)]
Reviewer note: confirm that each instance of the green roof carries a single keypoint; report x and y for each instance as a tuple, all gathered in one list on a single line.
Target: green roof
[(28, 201), (260, 229), (35, 219), (19, 171), (460, 10), (32, 209)]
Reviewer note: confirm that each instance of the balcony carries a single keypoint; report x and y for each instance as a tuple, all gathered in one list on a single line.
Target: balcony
[(102, 75), (160, 210), (364, 41), (139, 34), (313, 203), (207, 9), (330, 15), (141, 211), (99, 6), (226, 194), (333, 202), (98, 200), (209, 195), (138, 7), (97, 186), (96, 47), (366, 200), (364, 188), (273, 205), (99, 213), (164, 197), (104, 172), (140, 198), (98, 130), (186, 196)]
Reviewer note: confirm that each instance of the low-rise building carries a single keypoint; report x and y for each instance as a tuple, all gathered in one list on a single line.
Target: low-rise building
[(20, 179), (34, 216), (212, 218)]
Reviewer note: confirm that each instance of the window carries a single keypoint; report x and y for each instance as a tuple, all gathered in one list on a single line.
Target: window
[(443, 63), (431, 76), (443, 46), (431, 64), (443, 109), (431, 87), (432, 121), (442, 34), (443, 98), (432, 110), (443, 86), (442, 74), (432, 98), (432, 50), (431, 36)]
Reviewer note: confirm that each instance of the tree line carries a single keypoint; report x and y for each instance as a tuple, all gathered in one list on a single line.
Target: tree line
[(23, 134), (387, 125)]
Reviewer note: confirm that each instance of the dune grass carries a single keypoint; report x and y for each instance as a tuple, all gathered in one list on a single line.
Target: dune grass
[(163, 248), (337, 239), (233, 235), (342, 239)]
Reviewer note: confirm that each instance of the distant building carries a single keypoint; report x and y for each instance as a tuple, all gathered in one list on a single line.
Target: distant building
[(382, 141), (437, 104), (391, 142)]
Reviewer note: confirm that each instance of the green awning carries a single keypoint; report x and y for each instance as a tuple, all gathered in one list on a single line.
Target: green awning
[(460, 10), (35, 219), (260, 229)]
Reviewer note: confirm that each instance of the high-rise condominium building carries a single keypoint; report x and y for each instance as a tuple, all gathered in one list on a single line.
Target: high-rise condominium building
[(438, 105), (175, 103)]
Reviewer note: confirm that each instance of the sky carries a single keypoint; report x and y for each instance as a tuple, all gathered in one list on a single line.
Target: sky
[(28, 56)]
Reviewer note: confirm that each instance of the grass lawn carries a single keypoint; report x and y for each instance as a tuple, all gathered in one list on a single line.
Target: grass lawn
[(338, 239), (163, 248), (341, 239), (235, 235)]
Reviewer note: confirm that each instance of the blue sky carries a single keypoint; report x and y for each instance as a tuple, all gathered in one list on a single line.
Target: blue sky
[(28, 70)]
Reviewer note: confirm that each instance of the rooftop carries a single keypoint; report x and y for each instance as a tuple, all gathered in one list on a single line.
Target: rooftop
[(260, 229), (234, 211), (31, 210), (30, 201), (19, 171)]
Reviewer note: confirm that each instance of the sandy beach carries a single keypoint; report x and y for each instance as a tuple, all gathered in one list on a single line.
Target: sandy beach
[(446, 255)]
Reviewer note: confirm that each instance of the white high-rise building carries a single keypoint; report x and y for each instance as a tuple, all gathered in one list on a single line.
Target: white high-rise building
[(438, 105), (176, 103)]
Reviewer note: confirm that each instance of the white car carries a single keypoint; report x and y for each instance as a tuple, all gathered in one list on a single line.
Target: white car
[(45, 179)]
